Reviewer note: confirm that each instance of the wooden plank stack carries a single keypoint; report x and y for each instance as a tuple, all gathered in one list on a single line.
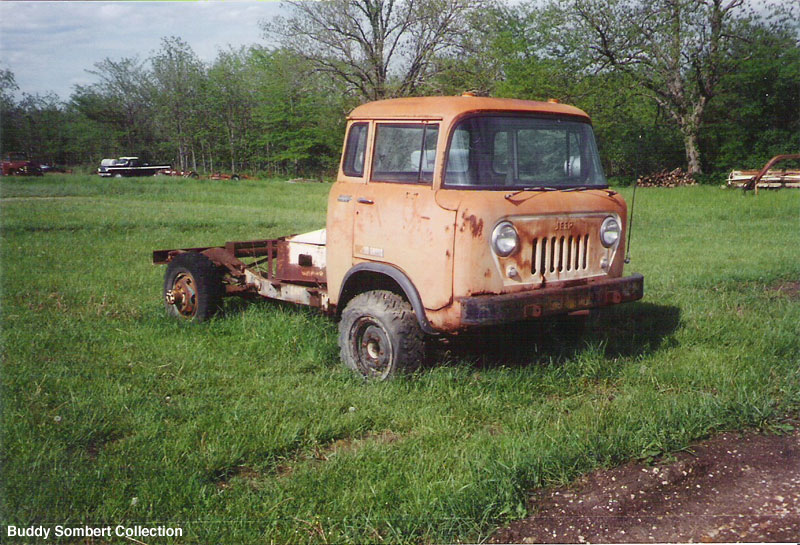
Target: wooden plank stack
[(773, 179), (665, 178)]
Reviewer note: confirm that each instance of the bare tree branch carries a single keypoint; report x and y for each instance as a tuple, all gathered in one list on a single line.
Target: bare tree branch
[(381, 48)]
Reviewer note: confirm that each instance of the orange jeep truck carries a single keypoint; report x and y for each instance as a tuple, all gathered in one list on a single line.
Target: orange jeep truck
[(447, 213)]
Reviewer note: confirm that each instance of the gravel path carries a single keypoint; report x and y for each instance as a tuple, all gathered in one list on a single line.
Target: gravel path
[(731, 488)]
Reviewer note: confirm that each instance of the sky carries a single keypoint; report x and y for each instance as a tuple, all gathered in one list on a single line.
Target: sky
[(50, 45)]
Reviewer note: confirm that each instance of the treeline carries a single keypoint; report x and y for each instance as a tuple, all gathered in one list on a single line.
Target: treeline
[(249, 110), (700, 84)]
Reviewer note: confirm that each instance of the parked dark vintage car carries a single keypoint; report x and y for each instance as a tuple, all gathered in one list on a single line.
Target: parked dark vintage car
[(128, 166)]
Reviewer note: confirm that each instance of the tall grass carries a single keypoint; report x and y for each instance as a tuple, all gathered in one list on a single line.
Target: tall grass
[(248, 429)]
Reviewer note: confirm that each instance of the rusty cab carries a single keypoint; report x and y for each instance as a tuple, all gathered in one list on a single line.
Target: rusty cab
[(447, 213)]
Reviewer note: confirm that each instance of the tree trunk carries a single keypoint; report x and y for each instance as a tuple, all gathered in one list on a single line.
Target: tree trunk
[(231, 144), (692, 153)]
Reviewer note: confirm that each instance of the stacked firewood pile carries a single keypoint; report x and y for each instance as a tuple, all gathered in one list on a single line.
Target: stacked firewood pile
[(664, 178)]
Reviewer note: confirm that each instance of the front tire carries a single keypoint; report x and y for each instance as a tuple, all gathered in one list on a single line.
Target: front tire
[(192, 287), (379, 335)]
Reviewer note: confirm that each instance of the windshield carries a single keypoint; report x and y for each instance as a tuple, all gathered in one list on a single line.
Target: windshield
[(497, 151)]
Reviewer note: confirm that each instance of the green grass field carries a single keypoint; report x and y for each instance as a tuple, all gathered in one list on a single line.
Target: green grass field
[(248, 429)]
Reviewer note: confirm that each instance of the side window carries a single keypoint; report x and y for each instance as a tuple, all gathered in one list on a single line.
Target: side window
[(404, 152), (355, 150)]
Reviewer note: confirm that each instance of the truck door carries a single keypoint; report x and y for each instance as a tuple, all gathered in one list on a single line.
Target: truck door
[(397, 220)]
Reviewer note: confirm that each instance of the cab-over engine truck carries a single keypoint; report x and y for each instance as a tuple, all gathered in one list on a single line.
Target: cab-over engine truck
[(448, 213)]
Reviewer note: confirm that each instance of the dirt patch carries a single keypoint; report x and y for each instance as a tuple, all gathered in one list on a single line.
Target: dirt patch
[(789, 289), (324, 452), (351, 445), (732, 488), (245, 473), (54, 301)]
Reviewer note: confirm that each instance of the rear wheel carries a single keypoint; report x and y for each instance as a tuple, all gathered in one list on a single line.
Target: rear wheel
[(379, 335), (192, 287)]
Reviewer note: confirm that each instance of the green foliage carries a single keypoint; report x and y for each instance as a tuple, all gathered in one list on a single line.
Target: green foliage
[(248, 429), (279, 111), (301, 114), (756, 117), (250, 110), (752, 109)]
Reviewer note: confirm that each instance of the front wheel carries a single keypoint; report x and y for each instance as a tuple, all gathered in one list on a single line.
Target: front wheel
[(379, 335), (192, 287)]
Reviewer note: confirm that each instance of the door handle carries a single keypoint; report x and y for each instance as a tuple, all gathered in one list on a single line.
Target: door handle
[(363, 200)]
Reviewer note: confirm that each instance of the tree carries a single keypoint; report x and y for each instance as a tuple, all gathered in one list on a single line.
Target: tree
[(88, 136), (178, 76), (379, 48), (127, 86), (39, 126), (231, 100), (8, 84), (8, 110), (757, 115), (299, 114), (677, 50), (477, 59)]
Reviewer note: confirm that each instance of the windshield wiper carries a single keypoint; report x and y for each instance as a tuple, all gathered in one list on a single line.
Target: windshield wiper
[(533, 188), (610, 192)]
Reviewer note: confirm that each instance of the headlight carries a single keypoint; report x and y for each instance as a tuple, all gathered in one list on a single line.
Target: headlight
[(609, 232), (505, 240)]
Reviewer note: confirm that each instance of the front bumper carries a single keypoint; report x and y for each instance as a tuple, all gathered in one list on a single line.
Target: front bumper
[(497, 309)]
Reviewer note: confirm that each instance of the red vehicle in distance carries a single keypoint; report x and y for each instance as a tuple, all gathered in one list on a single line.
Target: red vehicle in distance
[(17, 164)]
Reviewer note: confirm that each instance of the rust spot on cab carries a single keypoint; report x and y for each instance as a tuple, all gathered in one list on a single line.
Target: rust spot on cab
[(475, 225), (487, 274)]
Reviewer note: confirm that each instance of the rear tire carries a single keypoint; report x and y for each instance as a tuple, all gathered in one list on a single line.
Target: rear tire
[(193, 287), (379, 335)]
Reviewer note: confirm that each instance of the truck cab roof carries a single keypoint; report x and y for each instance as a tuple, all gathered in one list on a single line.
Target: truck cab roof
[(449, 107)]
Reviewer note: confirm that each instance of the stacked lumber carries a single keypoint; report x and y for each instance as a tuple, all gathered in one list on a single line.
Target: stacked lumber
[(772, 179), (664, 178)]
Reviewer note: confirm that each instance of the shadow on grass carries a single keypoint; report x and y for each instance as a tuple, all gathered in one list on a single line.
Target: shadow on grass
[(624, 331)]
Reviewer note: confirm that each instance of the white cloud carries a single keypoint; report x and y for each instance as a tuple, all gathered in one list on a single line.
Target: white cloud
[(50, 45)]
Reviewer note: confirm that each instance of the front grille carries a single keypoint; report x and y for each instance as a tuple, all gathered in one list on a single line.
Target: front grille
[(555, 255)]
